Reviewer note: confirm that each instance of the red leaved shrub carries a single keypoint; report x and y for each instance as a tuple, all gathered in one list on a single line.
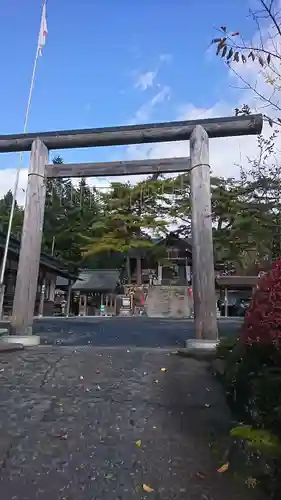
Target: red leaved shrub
[(263, 318)]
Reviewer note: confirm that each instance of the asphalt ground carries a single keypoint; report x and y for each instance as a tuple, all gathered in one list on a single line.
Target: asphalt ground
[(117, 331), (112, 422)]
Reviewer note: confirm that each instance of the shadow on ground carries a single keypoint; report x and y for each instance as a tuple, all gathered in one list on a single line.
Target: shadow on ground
[(136, 331)]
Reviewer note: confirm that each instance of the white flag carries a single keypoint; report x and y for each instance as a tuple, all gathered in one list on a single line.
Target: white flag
[(43, 31)]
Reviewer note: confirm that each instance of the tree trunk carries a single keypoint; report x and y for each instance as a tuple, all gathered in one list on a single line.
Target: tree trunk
[(139, 281), (128, 266)]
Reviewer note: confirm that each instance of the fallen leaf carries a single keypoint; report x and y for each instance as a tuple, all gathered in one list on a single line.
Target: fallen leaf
[(224, 467), (108, 476), (251, 482), (201, 475), (164, 369), (63, 437), (138, 443), (147, 488)]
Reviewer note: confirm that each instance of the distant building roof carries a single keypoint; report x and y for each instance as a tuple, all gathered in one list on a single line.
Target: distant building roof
[(171, 239), (61, 282), (97, 280), (59, 267), (235, 281)]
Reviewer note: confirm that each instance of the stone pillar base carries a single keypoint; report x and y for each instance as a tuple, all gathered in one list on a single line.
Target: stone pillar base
[(201, 345), (25, 340)]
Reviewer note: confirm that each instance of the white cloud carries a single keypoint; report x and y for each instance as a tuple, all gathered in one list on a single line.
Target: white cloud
[(225, 153), (145, 80), (166, 58), (7, 181), (252, 78), (144, 112)]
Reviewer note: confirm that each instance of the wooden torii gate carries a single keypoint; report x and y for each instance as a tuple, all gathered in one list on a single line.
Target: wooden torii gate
[(197, 131)]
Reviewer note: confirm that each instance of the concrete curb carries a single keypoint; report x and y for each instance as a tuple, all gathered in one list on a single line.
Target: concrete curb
[(199, 349), (4, 347), (38, 318), (24, 340), (201, 345), (199, 354)]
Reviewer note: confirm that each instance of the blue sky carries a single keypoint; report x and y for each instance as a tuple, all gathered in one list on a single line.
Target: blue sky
[(101, 56)]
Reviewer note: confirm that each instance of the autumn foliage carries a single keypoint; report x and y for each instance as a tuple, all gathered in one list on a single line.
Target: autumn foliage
[(263, 318)]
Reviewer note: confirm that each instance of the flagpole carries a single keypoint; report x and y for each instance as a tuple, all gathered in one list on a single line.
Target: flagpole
[(15, 191)]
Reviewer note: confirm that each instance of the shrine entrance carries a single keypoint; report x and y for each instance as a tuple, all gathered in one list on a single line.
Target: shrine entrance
[(198, 164)]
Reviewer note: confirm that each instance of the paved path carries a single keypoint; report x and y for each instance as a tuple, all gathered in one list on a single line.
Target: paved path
[(137, 331), (71, 419)]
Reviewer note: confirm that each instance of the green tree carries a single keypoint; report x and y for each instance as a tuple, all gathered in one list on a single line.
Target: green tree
[(260, 184), (69, 210), (178, 199), (128, 215), (246, 214), (263, 179), (242, 219), (5, 211), (58, 203)]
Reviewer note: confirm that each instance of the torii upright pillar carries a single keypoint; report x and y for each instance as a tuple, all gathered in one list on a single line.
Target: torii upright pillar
[(202, 240), (29, 258)]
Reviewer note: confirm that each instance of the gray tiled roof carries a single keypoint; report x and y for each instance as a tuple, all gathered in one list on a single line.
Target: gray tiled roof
[(97, 280), (61, 282), (238, 281), (48, 261)]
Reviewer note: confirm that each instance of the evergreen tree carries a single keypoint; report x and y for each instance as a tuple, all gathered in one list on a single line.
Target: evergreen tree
[(5, 211)]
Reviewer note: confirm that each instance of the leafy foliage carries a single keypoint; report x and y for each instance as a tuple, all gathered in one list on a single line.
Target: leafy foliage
[(232, 51), (263, 52), (263, 318), (128, 213), (226, 346), (252, 380), (260, 439), (88, 227), (5, 209)]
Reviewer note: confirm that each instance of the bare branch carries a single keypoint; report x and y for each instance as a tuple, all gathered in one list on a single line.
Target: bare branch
[(263, 97), (265, 50), (271, 15)]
